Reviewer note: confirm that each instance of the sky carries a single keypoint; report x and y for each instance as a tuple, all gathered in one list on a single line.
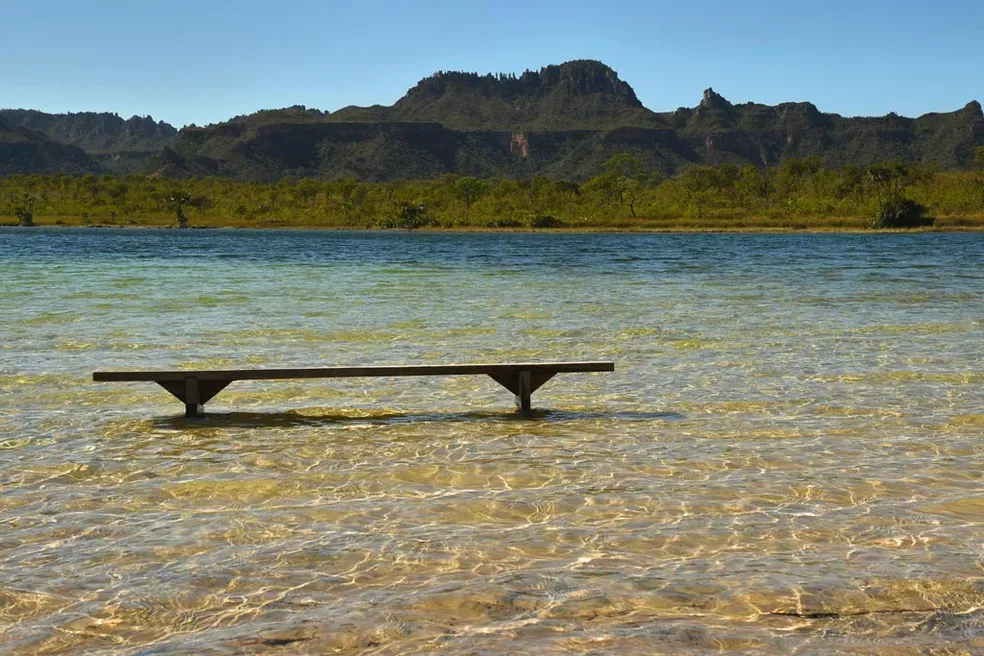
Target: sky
[(203, 61)]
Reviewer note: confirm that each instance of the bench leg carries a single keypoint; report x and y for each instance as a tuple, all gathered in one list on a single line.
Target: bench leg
[(523, 384), (193, 399), (524, 390), (194, 393)]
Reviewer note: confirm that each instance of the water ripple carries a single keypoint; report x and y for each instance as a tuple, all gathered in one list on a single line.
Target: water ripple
[(787, 460)]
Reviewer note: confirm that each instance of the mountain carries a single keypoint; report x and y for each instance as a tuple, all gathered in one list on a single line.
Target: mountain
[(561, 121), (23, 150), (767, 135), (577, 95), (117, 145)]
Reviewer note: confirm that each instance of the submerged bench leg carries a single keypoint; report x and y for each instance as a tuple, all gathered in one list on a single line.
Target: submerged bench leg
[(193, 399), (523, 384), (523, 393), (194, 393)]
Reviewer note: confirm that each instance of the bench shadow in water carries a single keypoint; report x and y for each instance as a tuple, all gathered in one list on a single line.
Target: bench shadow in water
[(294, 419)]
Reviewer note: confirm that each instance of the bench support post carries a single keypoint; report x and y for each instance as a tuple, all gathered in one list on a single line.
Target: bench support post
[(192, 399), (524, 390), (523, 383), (194, 393)]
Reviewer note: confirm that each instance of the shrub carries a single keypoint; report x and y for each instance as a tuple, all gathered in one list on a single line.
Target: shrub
[(901, 213), (25, 212), (545, 221), (410, 217)]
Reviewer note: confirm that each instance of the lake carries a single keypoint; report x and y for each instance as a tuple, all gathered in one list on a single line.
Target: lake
[(787, 459)]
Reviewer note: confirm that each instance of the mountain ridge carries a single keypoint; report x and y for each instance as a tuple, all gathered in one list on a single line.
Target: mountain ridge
[(24, 151), (562, 120)]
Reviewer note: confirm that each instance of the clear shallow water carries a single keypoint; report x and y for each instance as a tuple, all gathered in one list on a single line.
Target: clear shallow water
[(788, 458)]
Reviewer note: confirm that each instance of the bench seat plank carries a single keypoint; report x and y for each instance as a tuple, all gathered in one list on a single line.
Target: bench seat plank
[(356, 372)]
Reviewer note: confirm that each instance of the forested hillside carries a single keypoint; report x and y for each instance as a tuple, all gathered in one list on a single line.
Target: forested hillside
[(562, 122)]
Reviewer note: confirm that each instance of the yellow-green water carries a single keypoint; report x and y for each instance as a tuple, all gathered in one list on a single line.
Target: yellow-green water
[(788, 458)]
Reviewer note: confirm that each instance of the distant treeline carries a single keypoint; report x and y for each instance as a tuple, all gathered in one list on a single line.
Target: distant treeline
[(798, 192)]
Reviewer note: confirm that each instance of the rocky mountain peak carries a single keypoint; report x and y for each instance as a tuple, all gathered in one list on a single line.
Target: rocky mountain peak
[(145, 126), (574, 78), (714, 100), (586, 76)]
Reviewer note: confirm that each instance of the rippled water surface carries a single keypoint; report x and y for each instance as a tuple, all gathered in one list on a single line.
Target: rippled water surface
[(788, 458)]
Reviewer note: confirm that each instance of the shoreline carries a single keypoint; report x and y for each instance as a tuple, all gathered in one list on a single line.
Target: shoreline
[(600, 229)]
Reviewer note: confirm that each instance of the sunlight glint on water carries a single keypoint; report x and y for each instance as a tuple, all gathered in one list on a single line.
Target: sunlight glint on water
[(787, 459)]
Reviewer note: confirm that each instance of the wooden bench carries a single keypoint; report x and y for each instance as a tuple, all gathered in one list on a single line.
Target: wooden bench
[(196, 388)]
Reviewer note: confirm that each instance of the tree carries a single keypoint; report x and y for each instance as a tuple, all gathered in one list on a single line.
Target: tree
[(622, 181), (118, 192), (901, 213), (536, 187), (605, 185), (468, 190), (895, 210), (348, 193), (176, 202), (413, 216), (756, 185), (850, 182), (306, 192), (697, 182), (726, 180), (626, 165), (25, 211), (568, 189), (892, 179), (880, 177)]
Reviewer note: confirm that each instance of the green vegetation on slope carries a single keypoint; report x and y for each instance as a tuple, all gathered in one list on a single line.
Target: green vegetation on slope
[(797, 194), (562, 122)]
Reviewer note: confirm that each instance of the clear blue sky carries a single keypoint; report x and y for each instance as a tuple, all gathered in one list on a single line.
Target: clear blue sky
[(204, 61)]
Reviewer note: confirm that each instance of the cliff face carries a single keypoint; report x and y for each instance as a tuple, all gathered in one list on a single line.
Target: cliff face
[(26, 151), (407, 150), (118, 145), (558, 121)]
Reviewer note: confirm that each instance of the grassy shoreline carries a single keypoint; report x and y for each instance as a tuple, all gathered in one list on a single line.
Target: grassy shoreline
[(973, 223), (798, 196)]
